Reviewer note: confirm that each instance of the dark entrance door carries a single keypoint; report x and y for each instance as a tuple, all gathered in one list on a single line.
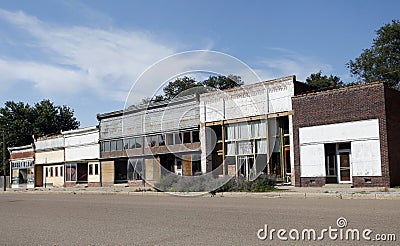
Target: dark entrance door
[(82, 173), (121, 171), (344, 167), (38, 176)]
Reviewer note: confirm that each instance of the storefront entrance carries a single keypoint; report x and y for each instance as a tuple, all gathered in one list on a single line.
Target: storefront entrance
[(344, 166), (246, 167)]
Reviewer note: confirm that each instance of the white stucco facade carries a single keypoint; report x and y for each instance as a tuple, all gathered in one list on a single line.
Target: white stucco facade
[(82, 144), (363, 135), (50, 155)]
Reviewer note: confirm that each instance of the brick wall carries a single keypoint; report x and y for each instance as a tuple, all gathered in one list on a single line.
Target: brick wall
[(337, 106), (393, 127)]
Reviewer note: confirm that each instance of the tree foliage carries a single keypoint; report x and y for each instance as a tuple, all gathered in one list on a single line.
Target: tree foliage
[(20, 121), (178, 86), (223, 82), (187, 85), (323, 81), (381, 62)]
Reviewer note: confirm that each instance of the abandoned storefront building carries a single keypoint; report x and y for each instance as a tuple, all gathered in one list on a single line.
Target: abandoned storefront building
[(65, 159), (280, 127), (247, 130), (22, 166), (148, 141), (349, 135), (82, 153), (49, 161)]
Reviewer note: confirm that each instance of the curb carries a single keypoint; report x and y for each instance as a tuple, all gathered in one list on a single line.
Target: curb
[(270, 195)]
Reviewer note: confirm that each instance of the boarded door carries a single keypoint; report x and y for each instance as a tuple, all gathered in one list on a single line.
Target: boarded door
[(107, 172), (38, 176), (187, 165)]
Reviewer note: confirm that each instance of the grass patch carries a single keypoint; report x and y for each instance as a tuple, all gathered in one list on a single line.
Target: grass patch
[(206, 183), (264, 183)]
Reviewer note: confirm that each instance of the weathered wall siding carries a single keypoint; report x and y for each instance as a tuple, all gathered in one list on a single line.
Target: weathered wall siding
[(49, 143), (22, 155), (180, 116), (169, 118), (81, 139), (49, 157), (250, 100), (133, 124), (111, 128), (82, 152)]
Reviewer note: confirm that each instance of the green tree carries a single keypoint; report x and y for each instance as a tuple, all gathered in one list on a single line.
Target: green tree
[(178, 86), (381, 62), (223, 82), (52, 119), (187, 85), (323, 81), (21, 121)]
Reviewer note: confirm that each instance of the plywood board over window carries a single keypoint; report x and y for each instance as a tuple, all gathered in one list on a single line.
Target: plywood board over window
[(187, 165), (107, 171)]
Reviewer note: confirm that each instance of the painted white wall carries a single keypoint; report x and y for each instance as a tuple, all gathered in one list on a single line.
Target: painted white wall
[(49, 157), (82, 144), (85, 152), (341, 132), (82, 139), (366, 158), (49, 143), (312, 160), (365, 147)]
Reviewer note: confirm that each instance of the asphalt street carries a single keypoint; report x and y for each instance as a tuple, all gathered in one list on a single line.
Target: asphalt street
[(107, 219)]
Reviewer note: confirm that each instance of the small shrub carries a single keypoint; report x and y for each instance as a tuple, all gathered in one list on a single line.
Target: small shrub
[(175, 183), (263, 183)]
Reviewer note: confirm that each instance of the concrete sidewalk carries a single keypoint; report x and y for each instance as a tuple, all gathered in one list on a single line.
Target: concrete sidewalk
[(328, 192)]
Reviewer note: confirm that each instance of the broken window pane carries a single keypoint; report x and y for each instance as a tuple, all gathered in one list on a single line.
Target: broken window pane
[(186, 137), (170, 139)]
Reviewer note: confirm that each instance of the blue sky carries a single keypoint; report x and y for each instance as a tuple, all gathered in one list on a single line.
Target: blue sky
[(87, 54)]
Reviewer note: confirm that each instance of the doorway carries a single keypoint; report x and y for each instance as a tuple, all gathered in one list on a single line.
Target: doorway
[(344, 166), (287, 165), (38, 176), (246, 168), (82, 173), (120, 171)]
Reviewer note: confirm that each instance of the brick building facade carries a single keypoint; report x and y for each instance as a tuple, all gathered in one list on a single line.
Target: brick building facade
[(347, 135)]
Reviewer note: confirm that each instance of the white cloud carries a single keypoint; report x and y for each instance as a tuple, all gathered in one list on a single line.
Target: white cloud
[(74, 59), (290, 63), (81, 58)]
